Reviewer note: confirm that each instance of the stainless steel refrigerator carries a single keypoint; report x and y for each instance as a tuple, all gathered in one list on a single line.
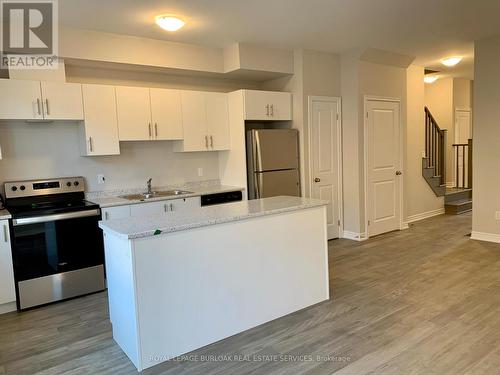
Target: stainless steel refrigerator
[(272, 163)]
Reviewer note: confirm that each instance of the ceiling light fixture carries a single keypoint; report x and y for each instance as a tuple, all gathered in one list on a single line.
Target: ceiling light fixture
[(430, 79), (169, 23), (451, 61)]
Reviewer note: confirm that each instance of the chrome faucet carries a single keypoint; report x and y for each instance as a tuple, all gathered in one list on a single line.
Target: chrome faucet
[(150, 190)]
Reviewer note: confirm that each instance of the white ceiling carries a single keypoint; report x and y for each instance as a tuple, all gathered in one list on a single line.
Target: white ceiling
[(427, 29)]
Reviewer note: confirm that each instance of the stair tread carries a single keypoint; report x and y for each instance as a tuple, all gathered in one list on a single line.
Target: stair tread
[(461, 202)]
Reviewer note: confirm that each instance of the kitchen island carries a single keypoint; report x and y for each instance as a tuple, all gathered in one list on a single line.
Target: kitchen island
[(180, 281)]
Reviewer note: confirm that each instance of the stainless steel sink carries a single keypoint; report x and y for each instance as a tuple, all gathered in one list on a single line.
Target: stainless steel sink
[(155, 194)]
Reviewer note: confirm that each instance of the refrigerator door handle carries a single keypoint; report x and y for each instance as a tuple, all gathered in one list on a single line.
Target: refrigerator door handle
[(257, 164), (258, 185)]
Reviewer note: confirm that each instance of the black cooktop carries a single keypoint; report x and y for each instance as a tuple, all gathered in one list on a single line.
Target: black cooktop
[(48, 205)]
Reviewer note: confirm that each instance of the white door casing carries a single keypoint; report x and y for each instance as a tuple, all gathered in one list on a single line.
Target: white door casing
[(325, 158), (383, 176)]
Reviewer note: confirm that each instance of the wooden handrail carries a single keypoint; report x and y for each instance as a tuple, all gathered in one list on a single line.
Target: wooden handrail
[(435, 147)]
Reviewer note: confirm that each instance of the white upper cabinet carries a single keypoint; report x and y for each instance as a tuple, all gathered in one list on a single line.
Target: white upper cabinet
[(166, 114), (7, 289), (194, 121), (217, 121), (34, 100), (205, 119), (20, 100), (134, 113), (62, 101), (267, 105), (100, 126)]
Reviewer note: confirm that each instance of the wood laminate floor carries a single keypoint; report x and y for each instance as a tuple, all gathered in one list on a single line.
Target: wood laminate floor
[(421, 301)]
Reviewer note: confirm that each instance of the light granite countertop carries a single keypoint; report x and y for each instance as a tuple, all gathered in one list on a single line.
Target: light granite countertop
[(140, 227), (195, 191), (4, 215)]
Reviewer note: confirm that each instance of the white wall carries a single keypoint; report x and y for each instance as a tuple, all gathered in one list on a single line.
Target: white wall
[(486, 150), (419, 197)]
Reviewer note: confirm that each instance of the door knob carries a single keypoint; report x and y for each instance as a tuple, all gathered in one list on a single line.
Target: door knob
[(317, 179), (399, 173)]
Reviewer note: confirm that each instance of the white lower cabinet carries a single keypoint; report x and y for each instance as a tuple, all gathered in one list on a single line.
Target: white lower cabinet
[(183, 203), (118, 212), (7, 289), (148, 208)]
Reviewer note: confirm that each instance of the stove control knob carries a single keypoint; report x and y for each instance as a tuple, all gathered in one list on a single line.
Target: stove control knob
[(68, 184), (76, 183), (14, 188), (22, 187)]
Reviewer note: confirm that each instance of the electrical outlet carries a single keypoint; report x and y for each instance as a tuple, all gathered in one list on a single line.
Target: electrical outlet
[(200, 172), (101, 179), (424, 154), (497, 215)]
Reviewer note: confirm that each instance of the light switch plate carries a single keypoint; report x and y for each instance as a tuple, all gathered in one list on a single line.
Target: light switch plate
[(200, 172), (497, 215)]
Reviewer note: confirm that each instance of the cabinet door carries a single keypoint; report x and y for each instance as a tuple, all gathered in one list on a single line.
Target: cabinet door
[(100, 124), (217, 120), (166, 114), (267, 105), (149, 208), (194, 121), (257, 105), (133, 110), (281, 105), (7, 289), (62, 101), (184, 203), (20, 100), (118, 212)]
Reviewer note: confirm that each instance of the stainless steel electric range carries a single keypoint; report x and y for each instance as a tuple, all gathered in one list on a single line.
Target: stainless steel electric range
[(57, 246)]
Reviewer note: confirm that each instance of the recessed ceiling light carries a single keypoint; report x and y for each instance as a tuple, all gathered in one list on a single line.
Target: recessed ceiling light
[(169, 23), (451, 61), (430, 79)]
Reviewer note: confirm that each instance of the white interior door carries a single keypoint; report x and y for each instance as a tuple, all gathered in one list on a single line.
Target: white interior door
[(463, 132), (325, 144), (383, 160)]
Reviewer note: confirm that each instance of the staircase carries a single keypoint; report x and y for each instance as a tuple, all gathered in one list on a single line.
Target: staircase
[(458, 199), (434, 162)]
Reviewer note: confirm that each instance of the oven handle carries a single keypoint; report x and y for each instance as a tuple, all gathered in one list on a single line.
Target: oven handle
[(55, 217)]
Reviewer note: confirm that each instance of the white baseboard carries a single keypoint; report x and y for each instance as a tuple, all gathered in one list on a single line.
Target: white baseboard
[(8, 307), (482, 236), (424, 215), (355, 236)]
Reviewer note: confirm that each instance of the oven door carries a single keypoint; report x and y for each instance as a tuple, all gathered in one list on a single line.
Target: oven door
[(53, 244)]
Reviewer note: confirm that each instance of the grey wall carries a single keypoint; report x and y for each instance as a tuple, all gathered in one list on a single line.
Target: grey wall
[(486, 151)]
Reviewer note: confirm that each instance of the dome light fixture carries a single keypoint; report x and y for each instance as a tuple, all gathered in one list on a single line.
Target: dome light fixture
[(451, 61), (169, 22), (430, 79)]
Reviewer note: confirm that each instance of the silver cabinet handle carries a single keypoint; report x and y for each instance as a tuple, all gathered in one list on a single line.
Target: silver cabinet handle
[(272, 109), (267, 110), (106, 215), (5, 234), (399, 173), (38, 106), (90, 145), (211, 141), (171, 206), (47, 106), (165, 207), (149, 129), (206, 141), (156, 129)]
